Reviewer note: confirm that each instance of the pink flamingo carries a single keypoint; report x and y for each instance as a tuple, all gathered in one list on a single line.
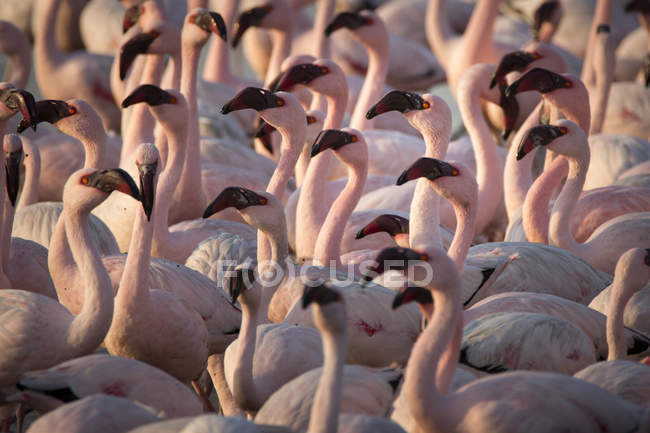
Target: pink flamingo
[(46, 390), (628, 380), (61, 335), (476, 406), (636, 312), (138, 308), (617, 234)]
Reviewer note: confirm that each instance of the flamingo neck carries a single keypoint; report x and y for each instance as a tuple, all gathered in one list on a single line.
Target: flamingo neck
[(438, 30), (19, 63), (133, 293), (62, 266), (89, 327), (29, 194), (574, 106), (322, 44), (327, 251), (517, 175), (141, 123), (7, 225), (46, 50), (424, 215), (465, 223), (602, 15), (310, 211), (281, 48), (489, 175), (559, 233), (176, 137), (621, 292), (477, 38), (604, 63), (535, 214), (190, 188), (373, 85), (4, 250), (94, 143), (325, 409), (429, 406), (172, 75), (217, 62)]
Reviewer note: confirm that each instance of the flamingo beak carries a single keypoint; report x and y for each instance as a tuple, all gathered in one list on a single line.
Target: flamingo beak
[(515, 61), (540, 135), (398, 100), (147, 188), (264, 131), (510, 107), (49, 110), (252, 97), (239, 282), (539, 79), (544, 14), (397, 258), (391, 224), (304, 73), (210, 22), (131, 17), (410, 294), (233, 196), (138, 44), (12, 168), (320, 294), (23, 101), (346, 20), (430, 168), (646, 70), (331, 139), (150, 94), (114, 179), (250, 18)]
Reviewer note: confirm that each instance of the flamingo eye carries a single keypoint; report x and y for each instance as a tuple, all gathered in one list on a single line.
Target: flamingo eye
[(324, 70), (425, 105), (84, 180), (72, 110), (354, 139), (191, 20), (563, 130), (454, 172), (173, 99), (568, 84), (280, 102)]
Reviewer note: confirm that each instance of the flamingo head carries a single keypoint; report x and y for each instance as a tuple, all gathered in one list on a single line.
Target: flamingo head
[(392, 258), (430, 168), (329, 308), (250, 18), (138, 44), (515, 61), (238, 281), (412, 294), (398, 100), (237, 197), (540, 135), (539, 79), (19, 100), (147, 164), (253, 97), (210, 22), (151, 95), (51, 111), (394, 225), (549, 12)]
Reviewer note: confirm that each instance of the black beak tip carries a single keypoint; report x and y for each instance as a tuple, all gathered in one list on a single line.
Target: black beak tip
[(506, 134), (371, 113), (402, 179), (397, 302), (493, 82), (226, 109), (360, 234)]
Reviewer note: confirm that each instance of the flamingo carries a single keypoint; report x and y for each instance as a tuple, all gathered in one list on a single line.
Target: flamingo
[(138, 308), (621, 377), (99, 413), (61, 335), (636, 311), (54, 69), (568, 139), (476, 406), (46, 390)]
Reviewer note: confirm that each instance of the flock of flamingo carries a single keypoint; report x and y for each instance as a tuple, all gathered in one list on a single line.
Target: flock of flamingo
[(186, 248)]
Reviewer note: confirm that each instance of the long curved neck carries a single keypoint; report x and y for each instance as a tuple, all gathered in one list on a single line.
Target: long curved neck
[(190, 187), (322, 43), (559, 233), (438, 29), (602, 15), (292, 143), (465, 223), (29, 194), (429, 406), (620, 295), (141, 122), (7, 225), (217, 62), (62, 266), (424, 215), (176, 138), (489, 175), (326, 406), (4, 251), (46, 50), (327, 251), (19, 63), (604, 64), (310, 211), (89, 327), (281, 47), (477, 38), (373, 84), (517, 175), (133, 293), (172, 76), (94, 143), (535, 214)]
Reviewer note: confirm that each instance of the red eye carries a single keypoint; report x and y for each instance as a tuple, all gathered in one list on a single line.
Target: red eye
[(72, 110), (425, 105), (84, 180)]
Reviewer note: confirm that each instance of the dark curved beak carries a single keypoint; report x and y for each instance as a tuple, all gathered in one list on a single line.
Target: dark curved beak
[(51, 111), (515, 61), (393, 258), (346, 20), (304, 73), (131, 17), (321, 295), (647, 256), (252, 97), (544, 14), (646, 70), (12, 169), (147, 189), (412, 294), (211, 22), (540, 135), (331, 139), (430, 168), (150, 94), (397, 100), (539, 79), (263, 132), (510, 107), (391, 224), (241, 280), (641, 6), (23, 101), (234, 196), (113, 179), (138, 44), (250, 18)]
